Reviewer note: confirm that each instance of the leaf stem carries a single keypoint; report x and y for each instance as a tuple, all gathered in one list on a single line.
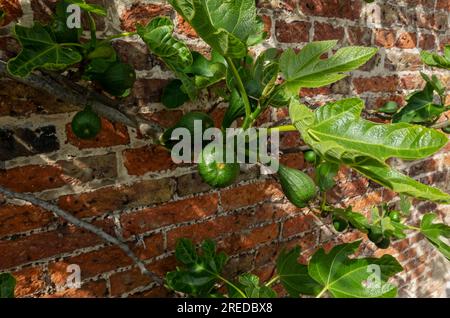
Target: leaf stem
[(319, 295), (117, 36), (412, 228), (284, 128), (73, 44), (241, 88), (93, 28), (272, 281), (323, 204), (226, 281)]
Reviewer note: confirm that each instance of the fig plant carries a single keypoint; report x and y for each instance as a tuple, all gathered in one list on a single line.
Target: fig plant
[(336, 133)]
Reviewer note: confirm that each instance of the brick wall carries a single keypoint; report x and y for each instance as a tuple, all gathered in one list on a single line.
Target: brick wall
[(133, 190)]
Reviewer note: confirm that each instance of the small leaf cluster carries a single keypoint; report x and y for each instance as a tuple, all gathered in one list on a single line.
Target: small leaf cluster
[(332, 273)]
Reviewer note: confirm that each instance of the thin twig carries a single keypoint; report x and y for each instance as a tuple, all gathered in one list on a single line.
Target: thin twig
[(84, 225), (80, 96)]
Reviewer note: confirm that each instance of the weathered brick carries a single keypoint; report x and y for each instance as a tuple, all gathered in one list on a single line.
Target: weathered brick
[(91, 264), (12, 10), (184, 27), (95, 289), (140, 13), (18, 142), (246, 240), (332, 8), (33, 178), (443, 5), (127, 281), (299, 224), (112, 134), (134, 53), (174, 212), (359, 36), (407, 40), (250, 194), (21, 218), (43, 245), (147, 159), (114, 198), (427, 41), (147, 91), (18, 100), (29, 281), (326, 31), (376, 84), (385, 38), (191, 184), (85, 169), (293, 32), (403, 62)]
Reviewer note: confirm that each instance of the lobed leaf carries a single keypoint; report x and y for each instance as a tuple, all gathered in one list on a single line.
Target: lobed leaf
[(227, 26), (40, 50), (353, 278), (307, 70)]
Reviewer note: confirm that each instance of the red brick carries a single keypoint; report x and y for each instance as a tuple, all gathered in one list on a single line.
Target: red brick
[(115, 198), (407, 40), (44, 245), (153, 246), (376, 84), (385, 38), (127, 281), (299, 224), (267, 24), (148, 90), (443, 5), (411, 82), (185, 28), (293, 160), (326, 31), (350, 9), (427, 41), (147, 159), (12, 9), (359, 36), (246, 240), (91, 264), (166, 118), (34, 178), (140, 13), (290, 140), (29, 281), (311, 92), (96, 289), (175, 212), (293, 32), (250, 194), (112, 134), (21, 218), (134, 53)]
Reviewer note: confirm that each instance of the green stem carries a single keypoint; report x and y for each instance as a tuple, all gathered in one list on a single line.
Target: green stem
[(93, 28), (412, 228), (285, 128), (324, 201), (241, 88), (226, 281), (117, 36), (272, 281), (73, 44), (319, 295)]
